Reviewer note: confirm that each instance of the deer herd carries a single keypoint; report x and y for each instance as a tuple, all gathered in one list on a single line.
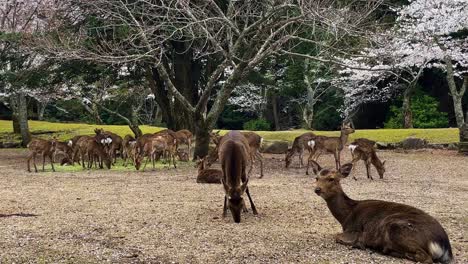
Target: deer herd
[(394, 229)]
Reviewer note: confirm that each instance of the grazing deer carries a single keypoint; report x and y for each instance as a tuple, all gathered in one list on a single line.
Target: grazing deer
[(93, 152), (329, 145), (234, 155), (185, 137), (395, 229), (299, 144), (363, 149), (72, 143), (111, 141), (128, 144), (207, 175), (64, 149), (255, 142), (45, 148)]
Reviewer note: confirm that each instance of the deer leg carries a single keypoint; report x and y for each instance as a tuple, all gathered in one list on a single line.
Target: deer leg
[(189, 145), (52, 162), (301, 162), (225, 206), (174, 160), (347, 238), (260, 159), (337, 159), (43, 161), (254, 210), (368, 169)]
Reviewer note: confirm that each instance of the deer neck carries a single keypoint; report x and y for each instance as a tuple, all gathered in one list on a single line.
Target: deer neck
[(341, 206), (343, 139)]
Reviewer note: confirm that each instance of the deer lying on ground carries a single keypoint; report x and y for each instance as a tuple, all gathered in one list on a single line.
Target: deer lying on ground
[(234, 155), (92, 151), (185, 137), (44, 148), (395, 229), (300, 143), (329, 145), (363, 149), (255, 142), (206, 175)]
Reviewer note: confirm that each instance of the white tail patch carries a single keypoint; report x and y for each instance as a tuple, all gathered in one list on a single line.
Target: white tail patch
[(436, 250), (311, 143), (261, 141), (352, 148), (70, 143), (108, 140)]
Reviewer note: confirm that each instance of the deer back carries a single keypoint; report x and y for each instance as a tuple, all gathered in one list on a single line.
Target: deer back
[(234, 156)]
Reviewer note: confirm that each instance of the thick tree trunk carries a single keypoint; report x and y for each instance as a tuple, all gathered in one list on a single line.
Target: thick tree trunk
[(95, 113), (202, 134), (308, 117), (407, 113), (133, 124), (23, 119), (16, 124)]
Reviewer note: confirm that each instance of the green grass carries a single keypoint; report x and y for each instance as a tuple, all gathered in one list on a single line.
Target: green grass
[(65, 131)]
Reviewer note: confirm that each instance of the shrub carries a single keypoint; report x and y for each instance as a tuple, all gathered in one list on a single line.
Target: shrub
[(425, 113), (257, 125)]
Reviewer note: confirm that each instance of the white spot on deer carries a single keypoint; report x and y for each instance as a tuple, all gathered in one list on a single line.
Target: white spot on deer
[(311, 143), (103, 141), (261, 141), (436, 250), (352, 148), (70, 143), (108, 140)]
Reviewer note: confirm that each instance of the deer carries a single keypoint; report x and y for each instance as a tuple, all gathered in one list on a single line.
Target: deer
[(45, 148), (234, 154), (148, 146), (206, 175), (299, 144), (72, 143), (128, 144), (329, 145), (182, 155), (112, 141), (65, 149), (363, 149), (255, 142), (157, 143), (392, 228), (184, 136), (90, 149)]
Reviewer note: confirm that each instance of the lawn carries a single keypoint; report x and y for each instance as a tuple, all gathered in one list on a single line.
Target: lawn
[(64, 131)]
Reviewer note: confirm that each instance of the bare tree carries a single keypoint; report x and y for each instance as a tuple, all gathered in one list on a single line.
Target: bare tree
[(196, 52)]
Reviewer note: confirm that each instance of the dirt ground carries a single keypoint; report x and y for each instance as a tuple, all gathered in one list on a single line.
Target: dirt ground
[(164, 216)]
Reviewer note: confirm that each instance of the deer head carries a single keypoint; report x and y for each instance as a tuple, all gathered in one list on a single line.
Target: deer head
[(235, 202), (381, 169), (327, 183), (98, 131), (347, 128)]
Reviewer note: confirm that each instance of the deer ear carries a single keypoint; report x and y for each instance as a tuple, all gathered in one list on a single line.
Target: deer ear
[(383, 163), (315, 167), (345, 170)]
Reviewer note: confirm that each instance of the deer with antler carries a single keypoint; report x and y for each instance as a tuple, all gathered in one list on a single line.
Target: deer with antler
[(329, 145)]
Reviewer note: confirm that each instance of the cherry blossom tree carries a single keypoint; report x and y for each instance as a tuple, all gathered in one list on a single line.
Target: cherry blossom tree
[(427, 33)]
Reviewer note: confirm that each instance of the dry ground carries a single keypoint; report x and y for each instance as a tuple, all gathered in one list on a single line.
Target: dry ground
[(164, 216)]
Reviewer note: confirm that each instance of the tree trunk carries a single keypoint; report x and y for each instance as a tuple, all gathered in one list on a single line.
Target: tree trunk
[(41, 106), (457, 95), (95, 113), (23, 119), (308, 116), (407, 113), (274, 104), (202, 134), (16, 124)]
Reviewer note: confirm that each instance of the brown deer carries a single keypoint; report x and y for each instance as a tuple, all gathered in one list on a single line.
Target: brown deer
[(72, 143), (63, 148), (299, 144), (92, 151), (363, 149), (185, 137), (255, 142), (329, 145), (45, 148), (394, 229), (206, 175), (182, 155), (128, 145), (111, 141), (234, 155)]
